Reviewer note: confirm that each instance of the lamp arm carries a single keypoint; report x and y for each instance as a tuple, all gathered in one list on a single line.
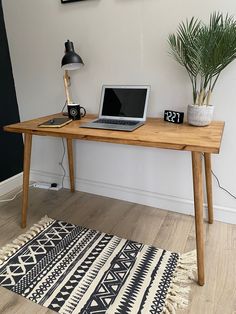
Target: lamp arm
[(66, 79)]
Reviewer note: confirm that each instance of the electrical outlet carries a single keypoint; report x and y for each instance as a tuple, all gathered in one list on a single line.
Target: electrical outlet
[(47, 186), (42, 185)]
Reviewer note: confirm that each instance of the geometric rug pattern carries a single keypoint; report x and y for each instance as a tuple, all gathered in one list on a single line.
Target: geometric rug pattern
[(73, 269)]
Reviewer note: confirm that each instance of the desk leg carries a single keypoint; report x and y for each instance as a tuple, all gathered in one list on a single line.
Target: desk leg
[(198, 205), (207, 159), (71, 163), (26, 173)]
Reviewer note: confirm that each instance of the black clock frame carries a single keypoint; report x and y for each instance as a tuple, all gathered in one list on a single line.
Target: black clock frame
[(174, 116)]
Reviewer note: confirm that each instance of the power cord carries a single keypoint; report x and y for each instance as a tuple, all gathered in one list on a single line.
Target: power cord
[(63, 154), (62, 110), (61, 163), (219, 185), (11, 199)]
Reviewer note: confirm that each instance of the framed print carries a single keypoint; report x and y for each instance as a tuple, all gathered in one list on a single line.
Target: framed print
[(67, 1)]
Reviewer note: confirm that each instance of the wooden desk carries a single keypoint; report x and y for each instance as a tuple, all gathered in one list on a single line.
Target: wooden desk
[(155, 133)]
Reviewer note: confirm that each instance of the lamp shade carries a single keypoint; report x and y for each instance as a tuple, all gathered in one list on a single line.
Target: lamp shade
[(71, 60)]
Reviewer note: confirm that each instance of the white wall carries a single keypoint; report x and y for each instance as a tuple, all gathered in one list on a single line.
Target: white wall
[(121, 42)]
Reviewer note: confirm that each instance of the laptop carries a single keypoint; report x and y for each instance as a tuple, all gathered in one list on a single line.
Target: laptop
[(122, 108)]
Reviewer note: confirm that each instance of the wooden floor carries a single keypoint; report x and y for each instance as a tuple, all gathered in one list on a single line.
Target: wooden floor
[(141, 223)]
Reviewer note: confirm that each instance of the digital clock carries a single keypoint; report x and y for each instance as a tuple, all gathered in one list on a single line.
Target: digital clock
[(174, 116)]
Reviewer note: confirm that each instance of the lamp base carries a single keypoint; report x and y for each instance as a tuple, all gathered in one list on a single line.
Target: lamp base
[(65, 114)]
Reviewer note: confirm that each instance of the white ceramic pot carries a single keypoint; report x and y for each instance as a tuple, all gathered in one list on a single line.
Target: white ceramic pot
[(200, 115)]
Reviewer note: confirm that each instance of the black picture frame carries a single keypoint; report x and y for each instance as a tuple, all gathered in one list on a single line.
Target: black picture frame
[(68, 1)]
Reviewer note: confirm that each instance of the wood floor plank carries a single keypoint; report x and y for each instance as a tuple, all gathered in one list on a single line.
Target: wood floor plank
[(145, 224), (174, 231), (220, 272), (140, 224)]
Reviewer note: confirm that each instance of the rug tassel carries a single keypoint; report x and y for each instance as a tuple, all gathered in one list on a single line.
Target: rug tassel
[(22, 239), (177, 297)]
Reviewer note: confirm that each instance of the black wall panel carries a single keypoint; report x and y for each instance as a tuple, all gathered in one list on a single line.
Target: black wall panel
[(11, 145)]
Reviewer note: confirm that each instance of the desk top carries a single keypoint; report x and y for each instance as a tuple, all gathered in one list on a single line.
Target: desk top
[(155, 133)]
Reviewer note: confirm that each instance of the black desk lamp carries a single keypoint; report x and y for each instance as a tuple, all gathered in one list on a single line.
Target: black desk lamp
[(70, 61)]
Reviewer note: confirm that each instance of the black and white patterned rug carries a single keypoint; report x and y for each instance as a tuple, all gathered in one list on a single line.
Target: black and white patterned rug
[(72, 269)]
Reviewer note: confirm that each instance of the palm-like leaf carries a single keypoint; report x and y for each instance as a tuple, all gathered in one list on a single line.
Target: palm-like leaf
[(204, 50), (183, 48)]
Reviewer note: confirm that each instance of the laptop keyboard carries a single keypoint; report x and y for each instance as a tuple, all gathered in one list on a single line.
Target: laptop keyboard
[(119, 122)]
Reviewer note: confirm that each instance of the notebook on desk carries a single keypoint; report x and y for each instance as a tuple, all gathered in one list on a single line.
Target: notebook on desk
[(122, 108), (55, 123)]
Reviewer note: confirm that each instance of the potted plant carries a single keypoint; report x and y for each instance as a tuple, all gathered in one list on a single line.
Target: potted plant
[(204, 51)]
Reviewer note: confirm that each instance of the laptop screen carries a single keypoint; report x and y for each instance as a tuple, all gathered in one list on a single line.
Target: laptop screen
[(124, 102)]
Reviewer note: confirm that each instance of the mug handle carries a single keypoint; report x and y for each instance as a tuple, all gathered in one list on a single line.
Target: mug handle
[(84, 113)]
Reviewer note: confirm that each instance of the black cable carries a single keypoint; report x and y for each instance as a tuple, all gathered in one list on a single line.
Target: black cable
[(63, 154), (62, 110), (219, 185), (61, 162)]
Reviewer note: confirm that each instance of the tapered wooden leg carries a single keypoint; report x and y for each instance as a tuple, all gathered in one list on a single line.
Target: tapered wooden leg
[(26, 173), (208, 175), (198, 205), (71, 163)]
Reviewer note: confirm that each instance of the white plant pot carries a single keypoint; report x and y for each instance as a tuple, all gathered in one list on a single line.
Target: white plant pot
[(200, 115)]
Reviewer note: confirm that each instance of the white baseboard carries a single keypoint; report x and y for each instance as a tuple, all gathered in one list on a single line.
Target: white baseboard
[(168, 202), (11, 184)]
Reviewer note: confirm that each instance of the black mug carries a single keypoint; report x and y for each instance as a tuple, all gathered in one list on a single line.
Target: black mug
[(75, 111)]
